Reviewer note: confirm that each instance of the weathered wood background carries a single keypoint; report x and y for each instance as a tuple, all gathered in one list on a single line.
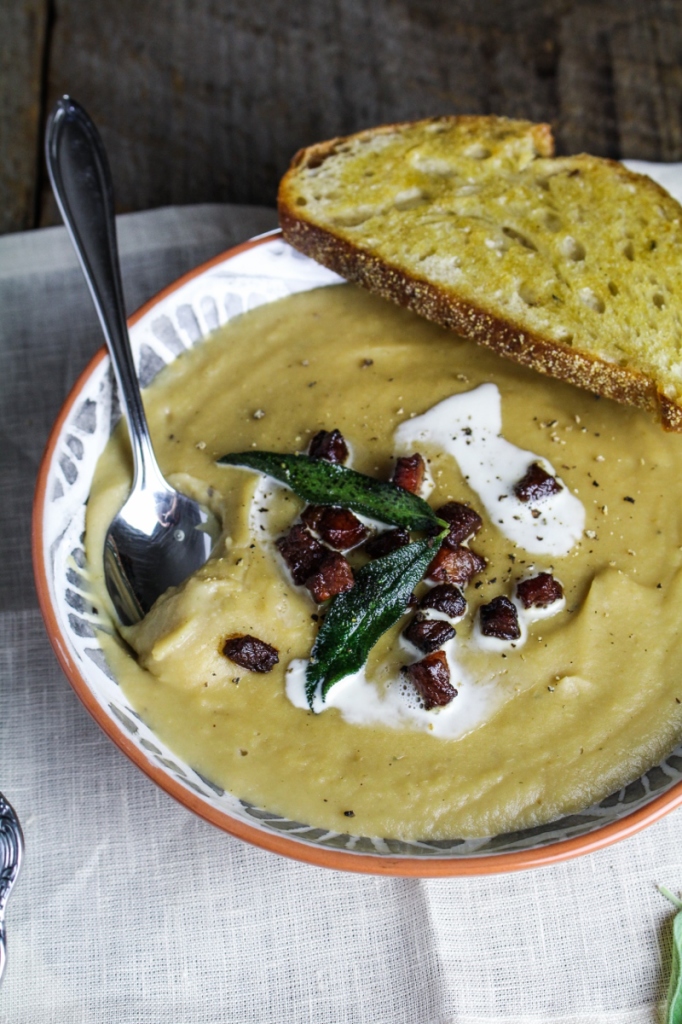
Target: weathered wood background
[(206, 100)]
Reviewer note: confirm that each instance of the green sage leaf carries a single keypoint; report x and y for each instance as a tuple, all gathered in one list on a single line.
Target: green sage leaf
[(674, 999), (355, 620), (325, 483), (674, 1014)]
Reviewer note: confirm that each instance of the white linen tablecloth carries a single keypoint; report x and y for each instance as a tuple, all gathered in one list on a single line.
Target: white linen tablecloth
[(130, 910)]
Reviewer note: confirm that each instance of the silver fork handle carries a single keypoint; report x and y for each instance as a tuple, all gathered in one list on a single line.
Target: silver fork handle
[(11, 853)]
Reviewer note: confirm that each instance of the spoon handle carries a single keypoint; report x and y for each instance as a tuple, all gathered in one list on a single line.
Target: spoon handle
[(81, 180)]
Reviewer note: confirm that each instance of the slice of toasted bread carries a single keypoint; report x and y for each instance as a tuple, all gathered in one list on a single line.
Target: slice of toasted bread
[(570, 265)]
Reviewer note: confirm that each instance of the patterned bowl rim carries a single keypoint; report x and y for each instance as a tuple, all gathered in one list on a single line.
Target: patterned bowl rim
[(552, 853)]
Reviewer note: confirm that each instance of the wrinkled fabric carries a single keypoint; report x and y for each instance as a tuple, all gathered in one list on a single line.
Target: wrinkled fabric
[(131, 910)]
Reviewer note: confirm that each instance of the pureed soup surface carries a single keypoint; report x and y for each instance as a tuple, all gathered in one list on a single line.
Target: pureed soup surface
[(589, 701)]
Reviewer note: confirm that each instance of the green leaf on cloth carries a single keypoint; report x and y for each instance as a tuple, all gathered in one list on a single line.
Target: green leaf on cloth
[(674, 999)]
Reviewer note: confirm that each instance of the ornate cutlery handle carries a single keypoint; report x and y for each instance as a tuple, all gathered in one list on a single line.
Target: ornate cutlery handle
[(11, 852)]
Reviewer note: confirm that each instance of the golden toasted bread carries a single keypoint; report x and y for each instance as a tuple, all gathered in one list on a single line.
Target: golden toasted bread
[(570, 265)]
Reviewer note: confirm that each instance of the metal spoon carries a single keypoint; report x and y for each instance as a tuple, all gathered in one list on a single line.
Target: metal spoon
[(160, 536), (11, 852)]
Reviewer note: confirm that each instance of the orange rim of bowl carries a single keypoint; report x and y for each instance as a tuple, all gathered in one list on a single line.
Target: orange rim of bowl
[(378, 864)]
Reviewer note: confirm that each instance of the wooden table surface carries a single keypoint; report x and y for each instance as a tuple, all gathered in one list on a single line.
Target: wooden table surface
[(207, 100)]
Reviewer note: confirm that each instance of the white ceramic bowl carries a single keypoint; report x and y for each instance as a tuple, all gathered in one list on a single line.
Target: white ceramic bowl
[(259, 271)]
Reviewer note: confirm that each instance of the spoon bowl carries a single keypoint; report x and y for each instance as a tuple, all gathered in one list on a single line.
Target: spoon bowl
[(158, 539), (160, 536)]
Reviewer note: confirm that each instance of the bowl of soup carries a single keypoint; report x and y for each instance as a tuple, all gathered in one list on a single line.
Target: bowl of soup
[(558, 742)]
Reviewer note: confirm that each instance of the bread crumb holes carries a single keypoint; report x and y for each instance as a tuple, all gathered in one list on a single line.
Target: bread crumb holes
[(521, 239)]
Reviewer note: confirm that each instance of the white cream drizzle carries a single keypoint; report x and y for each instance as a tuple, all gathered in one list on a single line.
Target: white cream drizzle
[(468, 428), (397, 705), (260, 527)]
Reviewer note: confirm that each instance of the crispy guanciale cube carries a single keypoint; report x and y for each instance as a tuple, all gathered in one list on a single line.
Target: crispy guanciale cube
[(428, 634), (409, 472), (386, 542), (536, 485), (431, 677), (464, 522), (302, 552), (251, 653), (333, 577), (540, 591), (455, 565), (500, 619), (328, 445), (337, 527), (446, 598)]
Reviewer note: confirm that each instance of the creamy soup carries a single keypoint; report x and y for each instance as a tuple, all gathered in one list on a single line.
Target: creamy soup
[(589, 697)]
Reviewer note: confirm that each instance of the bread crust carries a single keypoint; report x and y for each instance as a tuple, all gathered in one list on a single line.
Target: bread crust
[(427, 299)]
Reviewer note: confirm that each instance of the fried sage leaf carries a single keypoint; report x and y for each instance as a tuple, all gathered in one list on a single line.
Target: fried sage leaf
[(674, 1001), (356, 620), (325, 483)]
